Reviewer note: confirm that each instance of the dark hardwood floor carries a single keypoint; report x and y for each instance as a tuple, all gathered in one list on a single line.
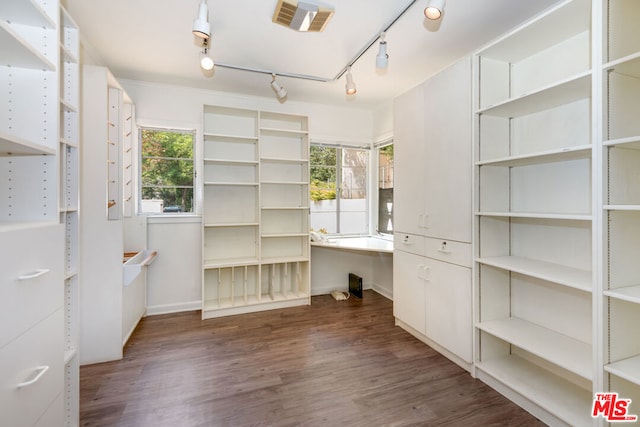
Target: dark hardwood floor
[(329, 364)]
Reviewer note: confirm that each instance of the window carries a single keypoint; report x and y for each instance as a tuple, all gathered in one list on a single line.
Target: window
[(385, 189), (338, 190), (167, 170)]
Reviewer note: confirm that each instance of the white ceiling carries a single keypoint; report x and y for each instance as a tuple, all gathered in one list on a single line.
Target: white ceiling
[(151, 40)]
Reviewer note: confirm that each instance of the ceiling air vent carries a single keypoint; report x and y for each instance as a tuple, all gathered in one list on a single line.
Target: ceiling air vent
[(301, 16)]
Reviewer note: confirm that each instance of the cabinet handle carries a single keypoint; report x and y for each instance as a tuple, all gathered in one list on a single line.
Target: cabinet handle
[(40, 372), (37, 273), (427, 273), (443, 248)]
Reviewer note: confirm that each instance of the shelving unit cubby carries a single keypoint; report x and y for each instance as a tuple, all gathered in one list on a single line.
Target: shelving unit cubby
[(256, 211), (621, 164), (535, 221)]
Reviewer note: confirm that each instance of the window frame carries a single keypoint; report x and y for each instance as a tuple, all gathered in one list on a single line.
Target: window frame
[(377, 146), (194, 206), (339, 167)]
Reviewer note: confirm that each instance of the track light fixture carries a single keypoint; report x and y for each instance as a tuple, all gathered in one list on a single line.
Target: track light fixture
[(434, 9), (205, 60), (201, 23), (350, 86), (382, 58), (280, 92)]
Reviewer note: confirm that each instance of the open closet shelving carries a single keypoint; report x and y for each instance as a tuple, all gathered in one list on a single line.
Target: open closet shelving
[(256, 211), (536, 334), (39, 144), (621, 204)]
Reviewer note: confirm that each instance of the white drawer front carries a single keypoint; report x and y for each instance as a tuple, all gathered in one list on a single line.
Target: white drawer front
[(34, 360), (409, 243), (31, 277), (449, 251)]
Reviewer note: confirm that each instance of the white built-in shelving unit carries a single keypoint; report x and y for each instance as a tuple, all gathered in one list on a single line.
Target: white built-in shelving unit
[(256, 211), (39, 145), (537, 328), (621, 201), (69, 191)]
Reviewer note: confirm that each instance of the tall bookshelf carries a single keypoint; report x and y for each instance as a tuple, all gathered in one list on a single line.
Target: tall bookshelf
[(621, 204), (256, 211), (69, 190), (537, 334)]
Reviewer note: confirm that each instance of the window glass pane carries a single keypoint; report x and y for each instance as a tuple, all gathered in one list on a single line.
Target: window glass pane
[(167, 171), (353, 192), (323, 178), (385, 189)]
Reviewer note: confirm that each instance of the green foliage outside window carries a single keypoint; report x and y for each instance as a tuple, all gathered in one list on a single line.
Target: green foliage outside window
[(167, 170)]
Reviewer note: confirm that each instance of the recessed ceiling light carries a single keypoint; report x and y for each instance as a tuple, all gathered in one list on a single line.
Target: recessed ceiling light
[(301, 16)]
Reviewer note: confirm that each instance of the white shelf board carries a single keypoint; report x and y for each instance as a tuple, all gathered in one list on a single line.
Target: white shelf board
[(273, 235), (68, 143), (629, 369), (560, 397), (252, 139), (629, 65), (278, 131), (562, 350), (26, 12), (284, 259), (232, 262), (573, 217), (622, 207), (230, 162), (67, 106), (285, 182), (563, 92), (230, 224), (627, 142), (68, 55), (69, 355), (283, 160), (558, 155), (560, 23), (232, 184), (285, 208), (556, 273), (17, 52), (14, 146), (629, 294)]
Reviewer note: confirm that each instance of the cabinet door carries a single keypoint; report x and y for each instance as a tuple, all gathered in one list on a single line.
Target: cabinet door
[(448, 307), (408, 143), (409, 289), (447, 160)]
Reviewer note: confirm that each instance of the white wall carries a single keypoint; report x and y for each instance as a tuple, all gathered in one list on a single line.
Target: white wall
[(174, 279)]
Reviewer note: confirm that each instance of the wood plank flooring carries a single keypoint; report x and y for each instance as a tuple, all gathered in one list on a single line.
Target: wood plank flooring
[(334, 363)]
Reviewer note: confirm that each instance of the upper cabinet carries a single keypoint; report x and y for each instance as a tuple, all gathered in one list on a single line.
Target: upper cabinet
[(432, 196)]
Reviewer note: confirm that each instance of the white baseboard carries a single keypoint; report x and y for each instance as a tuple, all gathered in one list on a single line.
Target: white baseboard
[(173, 308)]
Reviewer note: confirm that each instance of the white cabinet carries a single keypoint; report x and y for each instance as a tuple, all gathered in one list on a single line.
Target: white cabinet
[(536, 330), (432, 212), (409, 147), (621, 153), (256, 211), (432, 294), (446, 162), (110, 307), (409, 276), (432, 134), (39, 214)]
